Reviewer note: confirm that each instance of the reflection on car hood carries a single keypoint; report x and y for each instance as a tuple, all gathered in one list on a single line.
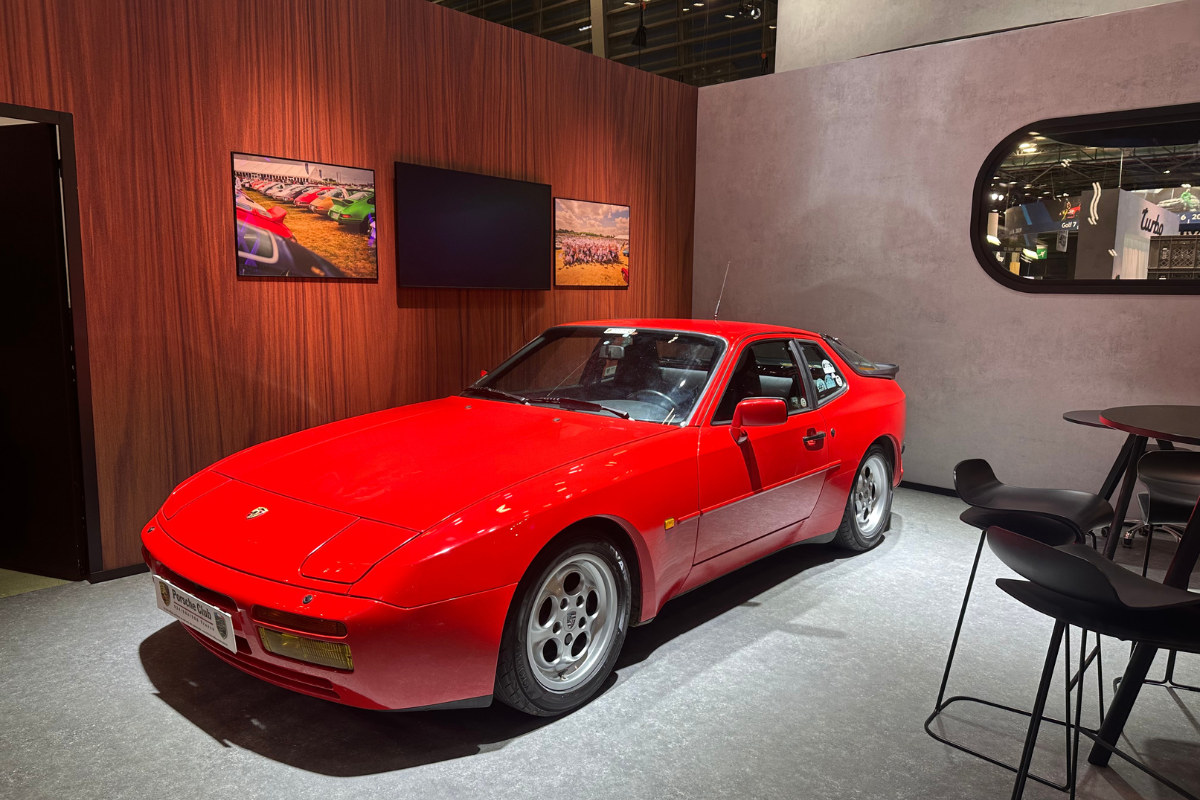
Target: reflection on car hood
[(416, 465)]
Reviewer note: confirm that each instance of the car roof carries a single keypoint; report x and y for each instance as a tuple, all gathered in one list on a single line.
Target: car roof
[(729, 329)]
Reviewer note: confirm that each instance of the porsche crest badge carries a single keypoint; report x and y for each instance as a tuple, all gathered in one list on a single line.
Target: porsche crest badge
[(258, 512)]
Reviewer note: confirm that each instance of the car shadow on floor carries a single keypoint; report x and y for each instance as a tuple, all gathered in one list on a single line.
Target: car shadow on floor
[(331, 739)]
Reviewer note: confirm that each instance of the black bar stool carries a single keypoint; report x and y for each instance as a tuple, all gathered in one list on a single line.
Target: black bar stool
[(1052, 516), (1077, 586), (978, 486)]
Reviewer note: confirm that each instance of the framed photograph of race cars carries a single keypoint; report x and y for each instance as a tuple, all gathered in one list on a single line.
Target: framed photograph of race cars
[(303, 219), (591, 244)]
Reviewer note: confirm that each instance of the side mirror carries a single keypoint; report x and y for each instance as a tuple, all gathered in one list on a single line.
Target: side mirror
[(757, 412), (277, 213)]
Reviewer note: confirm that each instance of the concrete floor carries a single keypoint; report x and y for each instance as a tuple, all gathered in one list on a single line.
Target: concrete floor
[(807, 675)]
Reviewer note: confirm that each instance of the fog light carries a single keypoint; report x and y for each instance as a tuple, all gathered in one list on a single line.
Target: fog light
[(301, 648)]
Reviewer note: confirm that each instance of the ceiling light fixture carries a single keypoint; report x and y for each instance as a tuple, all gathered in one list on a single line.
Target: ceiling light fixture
[(639, 36)]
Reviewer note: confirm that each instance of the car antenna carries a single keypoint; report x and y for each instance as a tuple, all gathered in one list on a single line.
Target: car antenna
[(717, 310)]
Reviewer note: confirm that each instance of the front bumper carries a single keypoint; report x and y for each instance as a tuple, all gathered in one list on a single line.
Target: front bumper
[(436, 654)]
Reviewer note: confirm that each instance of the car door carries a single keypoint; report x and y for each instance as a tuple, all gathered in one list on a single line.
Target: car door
[(772, 479)]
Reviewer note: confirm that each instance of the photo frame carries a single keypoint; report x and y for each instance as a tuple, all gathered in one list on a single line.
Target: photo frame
[(303, 219), (591, 244)]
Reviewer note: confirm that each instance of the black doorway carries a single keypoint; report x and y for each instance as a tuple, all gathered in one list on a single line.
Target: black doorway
[(43, 492)]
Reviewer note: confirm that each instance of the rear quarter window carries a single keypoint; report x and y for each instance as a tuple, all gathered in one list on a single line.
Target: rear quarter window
[(827, 379)]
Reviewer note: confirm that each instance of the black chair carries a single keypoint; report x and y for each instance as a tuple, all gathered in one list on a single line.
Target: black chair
[(1079, 587), (1172, 478), (1053, 516), (978, 486)]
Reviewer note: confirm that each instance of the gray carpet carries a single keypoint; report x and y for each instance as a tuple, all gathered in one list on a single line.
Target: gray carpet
[(807, 675)]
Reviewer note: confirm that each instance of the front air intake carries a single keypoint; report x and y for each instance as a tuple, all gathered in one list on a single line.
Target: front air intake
[(298, 622)]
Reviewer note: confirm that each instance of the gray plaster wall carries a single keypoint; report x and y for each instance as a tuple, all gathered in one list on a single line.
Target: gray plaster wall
[(842, 196), (812, 32)]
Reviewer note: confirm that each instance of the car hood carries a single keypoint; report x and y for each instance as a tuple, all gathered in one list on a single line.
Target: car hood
[(417, 465)]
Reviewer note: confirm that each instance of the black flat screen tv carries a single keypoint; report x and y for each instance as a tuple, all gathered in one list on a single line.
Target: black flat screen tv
[(466, 231)]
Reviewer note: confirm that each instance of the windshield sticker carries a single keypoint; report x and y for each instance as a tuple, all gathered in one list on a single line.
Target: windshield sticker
[(621, 331)]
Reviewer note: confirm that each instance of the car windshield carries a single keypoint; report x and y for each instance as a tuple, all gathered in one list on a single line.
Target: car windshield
[(647, 375)]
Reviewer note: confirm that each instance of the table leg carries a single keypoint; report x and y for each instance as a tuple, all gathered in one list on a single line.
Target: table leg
[(1118, 523), (1118, 467), (1127, 693), (1178, 575)]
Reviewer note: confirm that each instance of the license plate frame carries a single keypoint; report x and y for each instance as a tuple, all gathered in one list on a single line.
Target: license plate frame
[(199, 616)]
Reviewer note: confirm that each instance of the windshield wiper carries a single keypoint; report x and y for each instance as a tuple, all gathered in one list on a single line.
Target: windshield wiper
[(578, 405), (488, 391)]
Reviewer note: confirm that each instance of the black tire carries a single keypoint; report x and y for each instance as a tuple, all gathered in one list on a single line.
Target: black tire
[(517, 681), (854, 533)]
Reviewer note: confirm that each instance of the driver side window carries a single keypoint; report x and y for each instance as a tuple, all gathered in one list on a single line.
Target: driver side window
[(764, 369)]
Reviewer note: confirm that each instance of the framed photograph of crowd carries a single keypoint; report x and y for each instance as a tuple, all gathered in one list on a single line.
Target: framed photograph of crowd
[(301, 219), (591, 244)]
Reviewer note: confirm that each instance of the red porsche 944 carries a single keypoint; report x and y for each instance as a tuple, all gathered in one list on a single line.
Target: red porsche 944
[(499, 544)]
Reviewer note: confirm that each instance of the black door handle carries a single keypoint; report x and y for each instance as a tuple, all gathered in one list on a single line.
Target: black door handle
[(814, 438)]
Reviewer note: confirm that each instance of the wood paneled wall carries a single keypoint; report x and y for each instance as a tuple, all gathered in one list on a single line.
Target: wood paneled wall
[(190, 364)]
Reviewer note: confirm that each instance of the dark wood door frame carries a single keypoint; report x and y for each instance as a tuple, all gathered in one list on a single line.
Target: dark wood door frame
[(85, 433)]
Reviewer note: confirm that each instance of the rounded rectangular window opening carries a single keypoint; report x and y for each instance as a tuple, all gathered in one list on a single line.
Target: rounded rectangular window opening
[(1107, 203)]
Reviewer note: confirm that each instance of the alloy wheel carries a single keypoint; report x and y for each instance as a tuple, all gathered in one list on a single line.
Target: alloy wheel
[(870, 495), (571, 625)]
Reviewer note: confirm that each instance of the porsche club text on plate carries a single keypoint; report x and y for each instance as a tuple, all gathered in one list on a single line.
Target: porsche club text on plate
[(195, 613)]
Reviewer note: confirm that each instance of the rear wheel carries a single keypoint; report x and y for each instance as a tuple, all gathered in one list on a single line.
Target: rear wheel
[(565, 628), (869, 506)]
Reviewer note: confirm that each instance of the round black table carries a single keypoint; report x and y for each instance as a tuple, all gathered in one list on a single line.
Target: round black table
[(1166, 424), (1091, 418)]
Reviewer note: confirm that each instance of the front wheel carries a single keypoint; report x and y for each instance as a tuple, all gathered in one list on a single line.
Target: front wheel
[(565, 628), (869, 506)]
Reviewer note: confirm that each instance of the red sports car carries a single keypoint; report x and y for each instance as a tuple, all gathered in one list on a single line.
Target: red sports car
[(306, 197), (501, 542)]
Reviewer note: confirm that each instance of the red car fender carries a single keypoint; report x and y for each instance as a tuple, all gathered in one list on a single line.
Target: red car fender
[(266, 223), (641, 488)]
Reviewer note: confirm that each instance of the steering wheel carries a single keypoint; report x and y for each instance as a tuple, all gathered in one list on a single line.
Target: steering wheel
[(654, 396)]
